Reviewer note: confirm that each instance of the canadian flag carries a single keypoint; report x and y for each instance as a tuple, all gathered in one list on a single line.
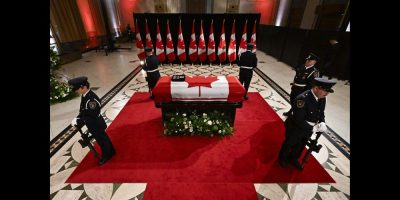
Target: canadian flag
[(202, 45), (232, 45), (201, 88), (139, 44), (243, 40), (211, 44), (170, 45), (253, 37), (159, 46), (148, 38), (222, 45), (181, 44), (193, 46)]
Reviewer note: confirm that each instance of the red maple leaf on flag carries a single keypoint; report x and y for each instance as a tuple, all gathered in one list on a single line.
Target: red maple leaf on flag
[(200, 81)]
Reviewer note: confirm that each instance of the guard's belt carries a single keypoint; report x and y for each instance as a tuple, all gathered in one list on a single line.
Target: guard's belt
[(245, 67), (299, 85), (311, 123), (154, 70)]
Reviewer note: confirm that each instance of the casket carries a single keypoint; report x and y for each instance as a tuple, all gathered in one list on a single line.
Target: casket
[(200, 93)]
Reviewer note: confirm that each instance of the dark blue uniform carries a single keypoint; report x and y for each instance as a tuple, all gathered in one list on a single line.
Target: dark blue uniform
[(302, 81), (151, 68), (89, 115), (307, 111), (247, 62)]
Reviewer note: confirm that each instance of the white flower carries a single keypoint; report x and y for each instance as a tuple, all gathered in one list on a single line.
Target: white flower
[(184, 114), (209, 122), (172, 119), (56, 87), (222, 114), (204, 120), (186, 126), (177, 113), (219, 131), (204, 115), (56, 97), (64, 95), (190, 122), (191, 129), (184, 122)]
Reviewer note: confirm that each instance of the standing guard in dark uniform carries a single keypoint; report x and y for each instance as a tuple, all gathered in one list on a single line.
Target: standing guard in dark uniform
[(151, 67), (303, 79), (247, 61), (89, 115), (308, 118)]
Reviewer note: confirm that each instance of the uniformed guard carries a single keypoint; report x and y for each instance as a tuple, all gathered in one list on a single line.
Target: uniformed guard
[(89, 115), (247, 62), (303, 79), (308, 118), (151, 67)]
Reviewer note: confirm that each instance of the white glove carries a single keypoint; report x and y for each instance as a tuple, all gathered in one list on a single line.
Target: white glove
[(322, 127), (74, 122), (315, 128)]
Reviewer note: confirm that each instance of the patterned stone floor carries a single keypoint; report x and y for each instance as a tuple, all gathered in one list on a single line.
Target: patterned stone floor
[(66, 159)]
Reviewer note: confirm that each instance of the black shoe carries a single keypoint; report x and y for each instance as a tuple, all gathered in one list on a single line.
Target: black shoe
[(286, 113), (102, 161)]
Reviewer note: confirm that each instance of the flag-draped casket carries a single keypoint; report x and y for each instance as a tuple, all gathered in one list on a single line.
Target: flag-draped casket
[(201, 93)]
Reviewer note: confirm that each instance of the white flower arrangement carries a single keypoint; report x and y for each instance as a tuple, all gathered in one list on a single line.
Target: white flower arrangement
[(213, 123)]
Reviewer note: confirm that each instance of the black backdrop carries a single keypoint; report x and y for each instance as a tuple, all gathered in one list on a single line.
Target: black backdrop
[(292, 45), (187, 20)]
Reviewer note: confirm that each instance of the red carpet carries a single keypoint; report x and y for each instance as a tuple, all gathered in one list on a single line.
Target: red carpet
[(145, 155), (200, 191)]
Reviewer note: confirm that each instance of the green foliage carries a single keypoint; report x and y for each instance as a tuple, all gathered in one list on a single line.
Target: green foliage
[(59, 90), (213, 123)]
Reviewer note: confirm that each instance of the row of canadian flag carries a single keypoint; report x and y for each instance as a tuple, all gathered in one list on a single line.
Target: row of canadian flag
[(196, 51)]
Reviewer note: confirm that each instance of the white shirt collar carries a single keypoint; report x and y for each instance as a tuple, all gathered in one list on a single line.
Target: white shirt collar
[(316, 98), (86, 93)]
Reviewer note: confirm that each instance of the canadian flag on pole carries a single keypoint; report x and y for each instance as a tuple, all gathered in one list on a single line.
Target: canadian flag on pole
[(148, 38), (211, 44), (170, 45), (253, 37), (193, 46), (181, 44), (222, 45), (232, 45), (243, 40), (202, 45), (139, 44), (159, 46)]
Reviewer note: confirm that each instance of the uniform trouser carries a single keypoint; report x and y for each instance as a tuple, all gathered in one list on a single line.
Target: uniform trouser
[(295, 91), (107, 148), (152, 79), (292, 147), (245, 76)]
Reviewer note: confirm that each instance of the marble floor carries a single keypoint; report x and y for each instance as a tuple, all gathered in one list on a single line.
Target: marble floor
[(117, 73)]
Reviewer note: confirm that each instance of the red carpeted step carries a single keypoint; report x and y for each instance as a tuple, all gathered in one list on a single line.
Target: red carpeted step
[(145, 155)]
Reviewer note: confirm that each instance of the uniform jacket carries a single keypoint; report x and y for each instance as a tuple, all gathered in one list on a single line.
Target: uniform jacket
[(247, 59), (305, 76), (89, 113), (151, 63), (306, 109)]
